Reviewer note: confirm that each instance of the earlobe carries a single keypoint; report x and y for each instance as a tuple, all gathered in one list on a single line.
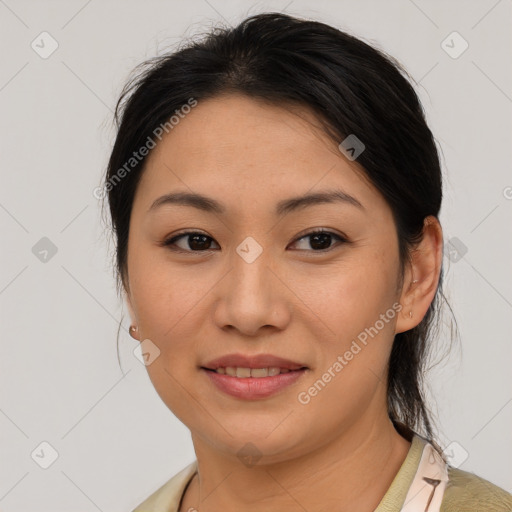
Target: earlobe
[(406, 319), (422, 276), (133, 329)]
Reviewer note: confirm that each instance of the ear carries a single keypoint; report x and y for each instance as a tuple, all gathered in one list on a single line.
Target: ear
[(424, 268), (133, 318)]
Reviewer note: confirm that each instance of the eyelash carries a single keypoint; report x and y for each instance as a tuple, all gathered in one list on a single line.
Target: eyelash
[(171, 241)]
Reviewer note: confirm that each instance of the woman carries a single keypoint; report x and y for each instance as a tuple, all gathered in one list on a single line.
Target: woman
[(274, 192)]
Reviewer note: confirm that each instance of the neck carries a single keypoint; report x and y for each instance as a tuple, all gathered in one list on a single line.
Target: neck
[(352, 472)]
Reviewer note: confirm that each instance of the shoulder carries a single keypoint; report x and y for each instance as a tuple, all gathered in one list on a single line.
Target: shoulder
[(167, 497), (468, 492)]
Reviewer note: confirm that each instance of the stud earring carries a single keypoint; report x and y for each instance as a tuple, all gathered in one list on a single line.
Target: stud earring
[(410, 314), (132, 330), (415, 281)]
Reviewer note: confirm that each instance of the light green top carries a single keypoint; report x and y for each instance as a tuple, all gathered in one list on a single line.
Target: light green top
[(465, 492)]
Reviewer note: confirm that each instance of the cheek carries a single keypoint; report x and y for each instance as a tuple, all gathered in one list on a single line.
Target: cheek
[(358, 303), (351, 296), (162, 296)]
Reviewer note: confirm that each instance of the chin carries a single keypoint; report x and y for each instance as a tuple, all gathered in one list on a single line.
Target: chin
[(261, 445)]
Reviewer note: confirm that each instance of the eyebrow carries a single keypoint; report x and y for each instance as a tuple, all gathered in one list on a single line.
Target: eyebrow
[(283, 207)]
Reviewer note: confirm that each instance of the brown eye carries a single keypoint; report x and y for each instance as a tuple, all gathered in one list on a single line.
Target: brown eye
[(190, 242), (320, 240)]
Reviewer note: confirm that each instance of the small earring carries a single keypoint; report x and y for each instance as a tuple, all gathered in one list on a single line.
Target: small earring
[(410, 314), (132, 330), (415, 281)]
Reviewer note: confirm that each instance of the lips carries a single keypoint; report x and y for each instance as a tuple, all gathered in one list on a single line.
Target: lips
[(253, 377), (253, 362)]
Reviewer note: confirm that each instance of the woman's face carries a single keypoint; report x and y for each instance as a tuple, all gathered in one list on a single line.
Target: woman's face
[(254, 279)]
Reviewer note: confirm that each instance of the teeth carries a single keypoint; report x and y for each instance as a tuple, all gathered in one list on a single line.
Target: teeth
[(243, 372), (273, 371), (259, 372), (251, 372)]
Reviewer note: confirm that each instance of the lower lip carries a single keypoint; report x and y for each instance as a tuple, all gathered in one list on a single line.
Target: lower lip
[(252, 388)]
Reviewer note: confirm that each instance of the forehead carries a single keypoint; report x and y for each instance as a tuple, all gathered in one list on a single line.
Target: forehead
[(258, 151), (218, 126)]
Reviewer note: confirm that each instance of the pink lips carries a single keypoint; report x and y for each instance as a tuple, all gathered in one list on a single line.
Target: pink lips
[(257, 361), (253, 388)]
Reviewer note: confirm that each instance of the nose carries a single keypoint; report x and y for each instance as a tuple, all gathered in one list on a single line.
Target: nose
[(252, 298)]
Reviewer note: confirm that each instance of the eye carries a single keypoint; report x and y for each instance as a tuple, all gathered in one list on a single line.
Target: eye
[(194, 241), (197, 242), (320, 240)]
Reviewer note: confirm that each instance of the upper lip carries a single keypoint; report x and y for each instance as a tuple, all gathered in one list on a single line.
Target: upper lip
[(256, 361)]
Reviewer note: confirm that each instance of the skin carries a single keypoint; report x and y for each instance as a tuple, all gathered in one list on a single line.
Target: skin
[(340, 451)]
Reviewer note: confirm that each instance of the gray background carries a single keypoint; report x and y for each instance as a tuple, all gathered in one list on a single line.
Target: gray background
[(60, 381)]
